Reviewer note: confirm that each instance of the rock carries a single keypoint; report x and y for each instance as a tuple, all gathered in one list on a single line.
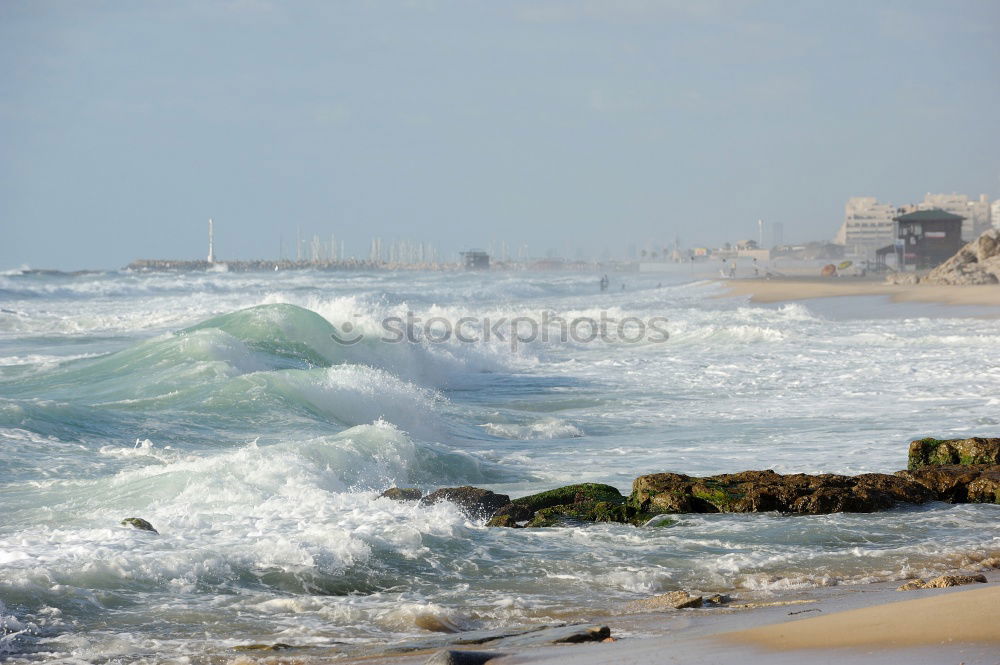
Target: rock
[(601, 511), (263, 647), (676, 600), (717, 599), (138, 523), (456, 657), (402, 494), (759, 491), (900, 489), (990, 563), (978, 262), (953, 580), (956, 483), (910, 585), (475, 502), (572, 634), (902, 278), (583, 502), (937, 452)]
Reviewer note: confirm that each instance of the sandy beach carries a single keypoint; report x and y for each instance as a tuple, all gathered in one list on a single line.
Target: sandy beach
[(858, 624), (783, 289)]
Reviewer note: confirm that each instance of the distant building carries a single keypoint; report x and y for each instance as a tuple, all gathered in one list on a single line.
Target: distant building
[(476, 259), (995, 214), (867, 226), (927, 238)]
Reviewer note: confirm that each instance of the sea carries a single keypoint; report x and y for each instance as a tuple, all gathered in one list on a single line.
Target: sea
[(254, 419)]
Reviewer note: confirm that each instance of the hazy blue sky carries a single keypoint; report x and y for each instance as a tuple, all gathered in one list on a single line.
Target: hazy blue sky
[(125, 125)]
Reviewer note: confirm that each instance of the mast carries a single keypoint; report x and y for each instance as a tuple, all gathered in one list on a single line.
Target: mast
[(211, 242)]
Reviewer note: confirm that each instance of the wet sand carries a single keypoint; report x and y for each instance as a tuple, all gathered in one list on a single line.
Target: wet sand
[(863, 624), (785, 289)]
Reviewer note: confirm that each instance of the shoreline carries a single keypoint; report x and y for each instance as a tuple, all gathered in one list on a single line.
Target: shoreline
[(870, 623), (780, 289)]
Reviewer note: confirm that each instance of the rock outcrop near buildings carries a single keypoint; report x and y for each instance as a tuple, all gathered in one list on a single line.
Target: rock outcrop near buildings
[(976, 263)]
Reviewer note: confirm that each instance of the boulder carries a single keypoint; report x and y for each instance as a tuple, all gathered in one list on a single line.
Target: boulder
[(759, 491), (475, 502), (978, 262), (910, 585), (402, 494), (675, 600), (456, 657), (138, 523), (279, 646), (936, 452), (958, 483), (954, 580), (582, 502)]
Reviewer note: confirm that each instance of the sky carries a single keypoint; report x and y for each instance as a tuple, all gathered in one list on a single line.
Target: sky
[(573, 126)]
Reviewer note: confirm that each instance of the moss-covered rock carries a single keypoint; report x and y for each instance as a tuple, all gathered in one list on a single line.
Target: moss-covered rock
[(588, 511), (402, 494), (958, 483), (571, 504), (761, 491), (570, 494), (939, 452), (138, 523)]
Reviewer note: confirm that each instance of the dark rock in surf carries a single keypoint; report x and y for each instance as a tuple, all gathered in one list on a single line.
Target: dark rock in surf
[(939, 452), (456, 657), (279, 646), (475, 502), (402, 494), (764, 491), (582, 502), (138, 523), (957, 483)]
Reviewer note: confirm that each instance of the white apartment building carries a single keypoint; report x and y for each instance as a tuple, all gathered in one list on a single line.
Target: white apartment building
[(977, 213), (867, 226), (995, 214)]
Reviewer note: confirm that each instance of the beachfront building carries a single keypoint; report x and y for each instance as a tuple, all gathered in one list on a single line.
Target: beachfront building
[(977, 213), (476, 259), (995, 214), (927, 238), (868, 225)]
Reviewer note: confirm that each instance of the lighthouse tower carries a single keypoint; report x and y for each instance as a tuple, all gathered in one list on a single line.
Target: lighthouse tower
[(211, 250)]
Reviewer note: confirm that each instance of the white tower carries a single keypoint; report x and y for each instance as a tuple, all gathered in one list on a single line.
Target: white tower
[(211, 239)]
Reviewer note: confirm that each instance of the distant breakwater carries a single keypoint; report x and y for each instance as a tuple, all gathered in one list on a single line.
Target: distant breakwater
[(262, 265)]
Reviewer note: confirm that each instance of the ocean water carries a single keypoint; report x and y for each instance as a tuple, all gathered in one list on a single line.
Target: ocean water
[(220, 408)]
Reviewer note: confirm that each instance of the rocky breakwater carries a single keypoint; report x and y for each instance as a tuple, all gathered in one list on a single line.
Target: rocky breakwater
[(951, 470), (956, 470)]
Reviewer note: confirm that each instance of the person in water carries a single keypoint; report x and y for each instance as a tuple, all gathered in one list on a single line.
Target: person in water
[(604, 283)]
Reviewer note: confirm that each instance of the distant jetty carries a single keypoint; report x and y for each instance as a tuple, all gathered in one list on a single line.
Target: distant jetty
[(262, 265)]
